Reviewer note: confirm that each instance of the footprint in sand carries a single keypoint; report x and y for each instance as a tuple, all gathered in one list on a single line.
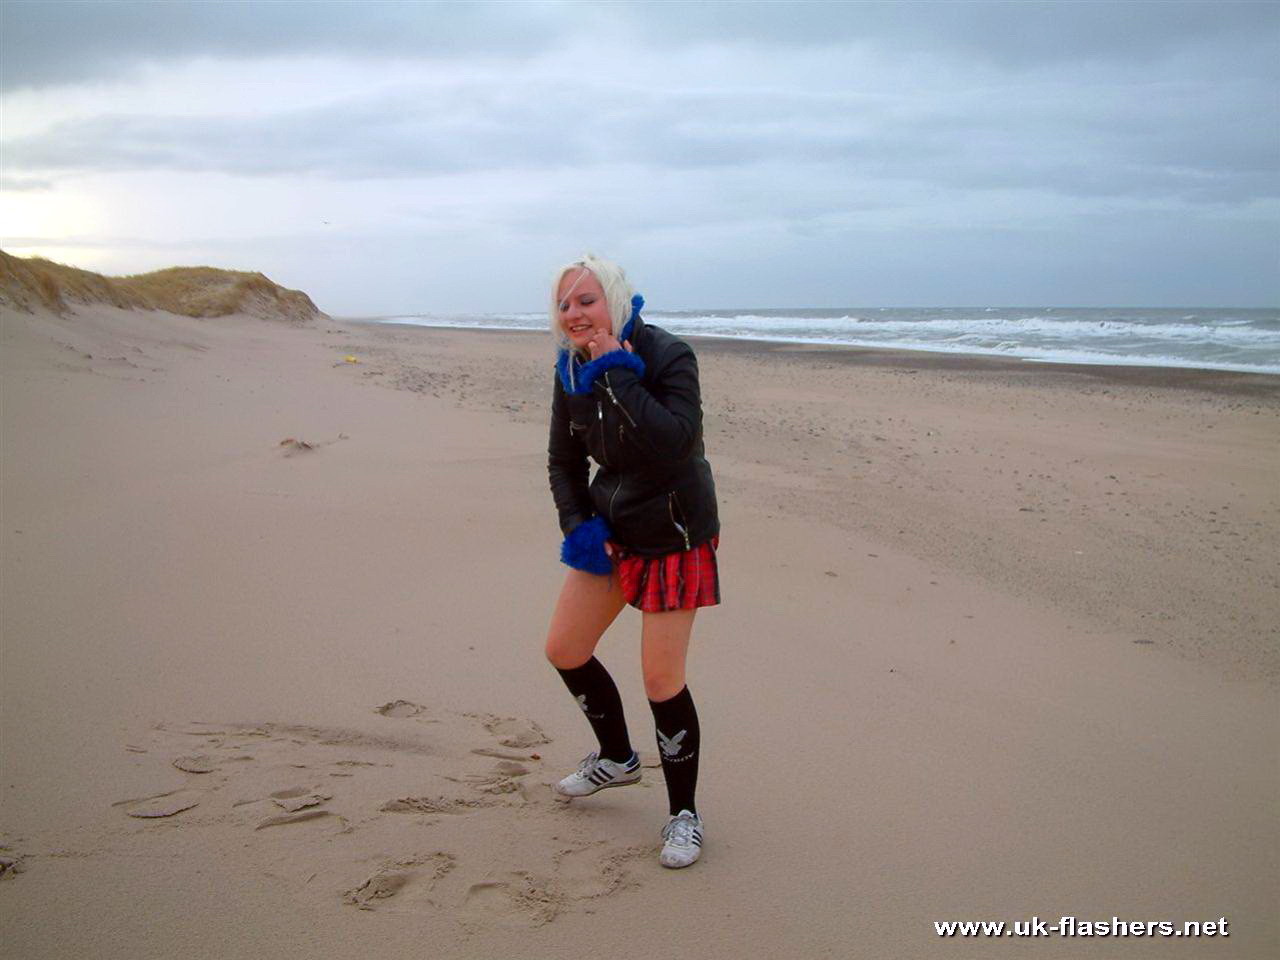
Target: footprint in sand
[(302, 816), (198, 763), (512, 731), (503, 778), (276, 747), (301, 804), (595, 870), (412, 880), (503, 754), (299, 798), (463, 780), (12, 863), (400, 708), (516, 898), (161, 804), (433, 805)]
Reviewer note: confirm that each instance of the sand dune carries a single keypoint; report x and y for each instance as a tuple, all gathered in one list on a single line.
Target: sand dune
[(26, 284)]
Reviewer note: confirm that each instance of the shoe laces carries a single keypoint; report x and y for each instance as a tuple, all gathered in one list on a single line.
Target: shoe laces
[(679, 830), (589, 764)]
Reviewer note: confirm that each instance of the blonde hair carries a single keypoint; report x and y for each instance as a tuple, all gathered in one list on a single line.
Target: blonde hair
[(617, 294)]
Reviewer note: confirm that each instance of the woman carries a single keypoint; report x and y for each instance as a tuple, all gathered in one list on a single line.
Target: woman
[(643, 532)]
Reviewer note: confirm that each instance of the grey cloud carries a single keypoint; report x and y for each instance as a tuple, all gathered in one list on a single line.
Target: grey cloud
[(1009, 32), (387, 137), (65, 42), (1196, 142), (60, 42)]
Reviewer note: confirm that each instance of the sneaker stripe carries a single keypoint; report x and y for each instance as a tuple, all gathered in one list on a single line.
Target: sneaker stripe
[(595, 774)]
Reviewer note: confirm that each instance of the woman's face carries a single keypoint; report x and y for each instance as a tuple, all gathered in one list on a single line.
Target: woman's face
[(583, 309)]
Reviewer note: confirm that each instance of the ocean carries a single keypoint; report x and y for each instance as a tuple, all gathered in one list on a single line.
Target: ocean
[(1218, 339)]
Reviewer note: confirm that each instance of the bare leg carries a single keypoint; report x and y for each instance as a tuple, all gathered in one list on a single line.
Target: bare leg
[(588, 604), (664, 645)]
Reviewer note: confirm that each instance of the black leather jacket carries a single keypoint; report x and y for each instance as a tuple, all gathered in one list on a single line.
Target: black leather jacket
[(653, 486)]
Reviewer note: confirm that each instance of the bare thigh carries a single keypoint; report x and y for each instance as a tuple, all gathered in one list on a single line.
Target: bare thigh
[(588, 604), (664, 646)]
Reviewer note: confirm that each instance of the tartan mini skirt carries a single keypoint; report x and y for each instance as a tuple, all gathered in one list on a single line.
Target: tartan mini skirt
[(684, 580)]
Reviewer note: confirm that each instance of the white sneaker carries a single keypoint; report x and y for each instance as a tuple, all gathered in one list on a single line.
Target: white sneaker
[(683, 836), (595, 773)]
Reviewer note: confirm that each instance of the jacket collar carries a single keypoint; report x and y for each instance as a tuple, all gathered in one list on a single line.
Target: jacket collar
[(632, 330), (577, 377)]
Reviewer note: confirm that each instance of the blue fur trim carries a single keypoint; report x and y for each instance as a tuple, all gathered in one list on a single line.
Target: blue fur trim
[(584, 374), (583, 548), (637, 304)]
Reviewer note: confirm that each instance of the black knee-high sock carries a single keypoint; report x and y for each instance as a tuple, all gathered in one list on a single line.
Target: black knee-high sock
[(597, 695), (679, 738)]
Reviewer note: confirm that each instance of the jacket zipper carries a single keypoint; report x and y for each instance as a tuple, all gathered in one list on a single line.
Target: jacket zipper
[(609, 389), (604, 453), (671, 510), (613, 496)]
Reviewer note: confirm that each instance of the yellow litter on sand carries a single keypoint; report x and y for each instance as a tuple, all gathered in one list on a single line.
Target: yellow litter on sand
[(351, 360)]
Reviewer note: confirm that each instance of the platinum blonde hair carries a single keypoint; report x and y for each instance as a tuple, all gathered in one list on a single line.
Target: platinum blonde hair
[(617, 294)]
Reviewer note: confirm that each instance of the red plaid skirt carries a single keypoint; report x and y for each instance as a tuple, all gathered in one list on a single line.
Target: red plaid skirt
[(684, 580)]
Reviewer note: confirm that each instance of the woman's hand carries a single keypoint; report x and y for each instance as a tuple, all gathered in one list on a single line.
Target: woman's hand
[(602, 342)]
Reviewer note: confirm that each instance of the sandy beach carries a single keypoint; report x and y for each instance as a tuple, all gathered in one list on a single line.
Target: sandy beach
[(999, 640)]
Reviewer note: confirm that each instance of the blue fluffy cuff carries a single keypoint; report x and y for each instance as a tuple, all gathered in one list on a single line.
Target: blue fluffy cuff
[(585, 376), (583, 548)]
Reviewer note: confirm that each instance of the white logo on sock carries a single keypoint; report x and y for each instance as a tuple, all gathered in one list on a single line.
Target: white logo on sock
[(670, 745), (582, 702)]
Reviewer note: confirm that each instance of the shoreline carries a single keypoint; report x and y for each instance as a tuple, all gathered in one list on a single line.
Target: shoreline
[(1224, 382)]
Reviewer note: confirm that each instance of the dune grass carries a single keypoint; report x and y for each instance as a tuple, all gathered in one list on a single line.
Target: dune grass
[(28, 283)]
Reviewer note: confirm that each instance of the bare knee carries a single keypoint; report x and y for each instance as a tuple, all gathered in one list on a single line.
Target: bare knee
[(564, 654), (662, 683)]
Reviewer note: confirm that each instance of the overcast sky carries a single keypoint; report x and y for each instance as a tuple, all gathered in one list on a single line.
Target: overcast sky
[(411, 157)]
